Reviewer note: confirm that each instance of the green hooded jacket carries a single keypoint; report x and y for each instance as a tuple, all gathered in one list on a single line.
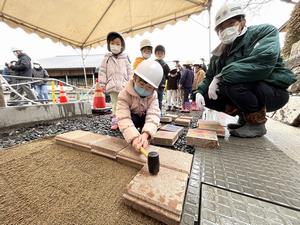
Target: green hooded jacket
[(254, 56)]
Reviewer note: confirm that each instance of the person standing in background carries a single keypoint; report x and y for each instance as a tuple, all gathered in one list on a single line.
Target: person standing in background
[(199, 75), (40, 87), (172, 86), (21, 68), (115, 71), (146, 50), (160, 53), (186, 83)]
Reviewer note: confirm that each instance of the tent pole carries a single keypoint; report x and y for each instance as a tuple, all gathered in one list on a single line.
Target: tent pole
[(84, 71), (209, 31)]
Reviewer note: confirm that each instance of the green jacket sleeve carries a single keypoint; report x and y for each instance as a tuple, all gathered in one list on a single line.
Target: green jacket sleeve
[(261, 60)]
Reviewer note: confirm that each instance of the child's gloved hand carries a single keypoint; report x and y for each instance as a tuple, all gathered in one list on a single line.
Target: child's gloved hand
[(140, 141)]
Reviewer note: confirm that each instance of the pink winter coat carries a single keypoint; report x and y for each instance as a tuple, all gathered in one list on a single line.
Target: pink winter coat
[(130, 102), (114, 72)]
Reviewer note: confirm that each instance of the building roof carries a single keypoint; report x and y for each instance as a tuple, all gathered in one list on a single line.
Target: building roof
[(71, 61)]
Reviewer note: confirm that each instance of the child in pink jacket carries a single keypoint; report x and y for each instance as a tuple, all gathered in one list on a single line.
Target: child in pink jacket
[(115, 71), (137, 108)]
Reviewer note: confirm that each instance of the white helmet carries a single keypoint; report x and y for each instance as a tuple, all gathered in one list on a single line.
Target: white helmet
[(150, 71), (172, 66), (227, 11), (145, 43), (187, 62), (13, 49)]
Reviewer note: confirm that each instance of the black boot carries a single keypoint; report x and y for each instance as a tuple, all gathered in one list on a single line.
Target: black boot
[(241, 122), (249, 131), (254, 126)]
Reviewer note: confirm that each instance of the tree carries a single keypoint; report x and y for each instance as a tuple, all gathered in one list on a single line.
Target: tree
[(293, 31), (254, 6)]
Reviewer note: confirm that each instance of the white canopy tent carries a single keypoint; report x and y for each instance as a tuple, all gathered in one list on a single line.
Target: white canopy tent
[(83, 24)]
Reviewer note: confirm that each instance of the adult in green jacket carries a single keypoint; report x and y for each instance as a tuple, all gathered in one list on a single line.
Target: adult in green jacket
[(246, 74)]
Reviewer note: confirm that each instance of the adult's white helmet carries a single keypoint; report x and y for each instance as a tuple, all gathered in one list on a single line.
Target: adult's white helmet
[(150, 71), (145, 43), (227, 11), (13, 49)]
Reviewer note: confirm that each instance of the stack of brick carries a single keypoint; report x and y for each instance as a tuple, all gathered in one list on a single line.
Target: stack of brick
[(167, 135), (184, 121), (202, 138), (211, 126), (173, 116), (160, 197), (166, 119)]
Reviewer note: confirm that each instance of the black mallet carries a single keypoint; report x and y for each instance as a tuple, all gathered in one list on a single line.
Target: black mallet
[(153, 161)]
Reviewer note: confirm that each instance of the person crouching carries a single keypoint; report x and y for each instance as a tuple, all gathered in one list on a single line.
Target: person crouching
[(137, 111)]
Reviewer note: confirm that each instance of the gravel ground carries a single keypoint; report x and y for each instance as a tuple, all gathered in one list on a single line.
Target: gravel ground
[(45, 183), (95, 123)]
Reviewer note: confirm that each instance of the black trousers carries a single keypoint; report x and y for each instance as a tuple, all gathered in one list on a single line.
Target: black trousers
[(249, 97), (138, 121), (186, 93), (160, 96)]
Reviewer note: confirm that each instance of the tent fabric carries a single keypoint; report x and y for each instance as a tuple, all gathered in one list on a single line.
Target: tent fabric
[(84, 24)]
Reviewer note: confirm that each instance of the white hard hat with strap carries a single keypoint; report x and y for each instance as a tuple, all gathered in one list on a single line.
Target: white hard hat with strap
[(227, 11), (150, 71)]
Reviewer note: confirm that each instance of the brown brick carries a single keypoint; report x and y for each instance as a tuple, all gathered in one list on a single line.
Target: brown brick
[(165, 138), (129, 156), (212, 126), (175, 160), (85, 142), (165, 119), (202, 138), (159, 196), (172, 128), (173, 116), (67, 138), (186, 117), (168, 158), (182, 122), (109, 146), (151, 210)]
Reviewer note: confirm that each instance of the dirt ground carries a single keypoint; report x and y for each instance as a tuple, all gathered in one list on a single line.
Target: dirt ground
[(45, 183)]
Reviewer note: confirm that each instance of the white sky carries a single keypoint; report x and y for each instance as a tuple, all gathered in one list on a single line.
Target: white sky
[(184, 40)]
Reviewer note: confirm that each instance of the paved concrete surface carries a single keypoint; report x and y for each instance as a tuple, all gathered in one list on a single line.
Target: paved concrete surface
[(12, 116), (285, 137), (222, 207), (247, 181)]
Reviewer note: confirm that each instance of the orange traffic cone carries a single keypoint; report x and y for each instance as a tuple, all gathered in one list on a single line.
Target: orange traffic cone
[(62, 94), (99, 97)]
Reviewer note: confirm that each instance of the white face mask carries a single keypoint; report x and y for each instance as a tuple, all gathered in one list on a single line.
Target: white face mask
[(228, 35), (146, 55), (115, 49)]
